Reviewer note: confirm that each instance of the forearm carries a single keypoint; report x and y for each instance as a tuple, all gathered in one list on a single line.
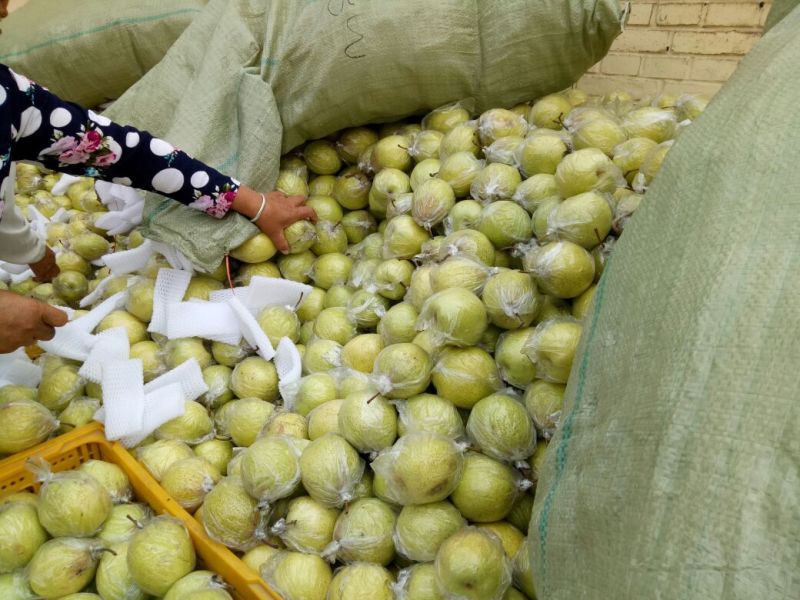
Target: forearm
[(18, 243)]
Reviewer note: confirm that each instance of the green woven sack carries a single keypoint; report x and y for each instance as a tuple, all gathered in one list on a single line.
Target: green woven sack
[(250, 79), (780, 8), (91, 51), (676, 470)]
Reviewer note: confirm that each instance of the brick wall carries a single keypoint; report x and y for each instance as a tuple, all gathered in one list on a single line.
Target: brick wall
[(679, 46)]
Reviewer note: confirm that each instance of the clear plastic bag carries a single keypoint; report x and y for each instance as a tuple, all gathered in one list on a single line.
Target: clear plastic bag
[(561, 269), (584, 219), (512, 299), (472, 565), (502, 428), (544, 400), (401, 370), (271, 468), (460, 271), (455, 316), (432, 202), (331, 469), (552, 348), (465, 375), (363, 532), (495, 181), (307, 526)]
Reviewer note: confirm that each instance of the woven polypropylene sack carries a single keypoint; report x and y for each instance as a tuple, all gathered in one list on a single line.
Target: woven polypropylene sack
[(780, 8), (249, 79), (676, 470), (91, 51)]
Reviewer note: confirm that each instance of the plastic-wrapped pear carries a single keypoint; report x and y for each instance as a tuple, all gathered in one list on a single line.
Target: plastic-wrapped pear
[(629, 155), (21, 535), (459, 170), (70, 285), (111, 477), (254, 377), (402, 370), (544, 400), (461, 139), (10, 393), (501, 427), (193, 427), (231, 515), (552, 348), (136, 330), (16, 586), (420, 468), (562, 269), (586, 170), (391, 152), (497, 123), (121, 522), (361, 581), (113, 579), (368, 421), (62, 566), (650, 166), (420, 530), (23, 424), (651, 122), (159, 554), (335, 324), (523, 571), (59, 387), (288, 424), (217, 452), (331, 468), (421, 288), (360, 352), (511, 299), (324, 419), (472, 565), (310, 392), (520, 515), (464, 215), (387, 185), (456, 315), (584, 219), (308, 525), (428, 412), (445, 118), (297, 576), (189, 480), (432, 202), (279, 322), (487, 489), (515, 368), (503, 150), (321, 355), (604, 134), (152, 361), (426, 169), (363, 532), (511, 537), (159, 456), (540, 154), (71, 503), (417, 582), (392, 278), (550, 111), (468, 242), (271, 468), (352, 142), (459, 271), (398, 324), (494, 182), (465, 375), (296, 267), (257, 557), (331, 237)]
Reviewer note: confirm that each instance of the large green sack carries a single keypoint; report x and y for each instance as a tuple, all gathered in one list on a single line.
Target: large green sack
[(250, 79), (91, 51), (780, 8), (676, 470)]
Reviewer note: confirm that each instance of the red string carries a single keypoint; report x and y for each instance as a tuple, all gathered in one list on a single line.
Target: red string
[(228, 270)]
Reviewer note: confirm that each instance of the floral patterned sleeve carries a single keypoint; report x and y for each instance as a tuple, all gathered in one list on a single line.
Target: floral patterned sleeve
[(65, 137)]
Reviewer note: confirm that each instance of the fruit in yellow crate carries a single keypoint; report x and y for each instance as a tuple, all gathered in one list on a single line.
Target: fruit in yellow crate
[(258, 556), (297, 576), (193, 427), (122, 522), (113, 579), (59, 387), (78, 412), (246, 418), (368, 421), (21, 533), (63, 566), (217, 378), (257, 249), (361, 581), (111, 477), (217, 452), (159, 554), (136, 330), (160, 455), (271, 468), (188, 481), (73, 504)]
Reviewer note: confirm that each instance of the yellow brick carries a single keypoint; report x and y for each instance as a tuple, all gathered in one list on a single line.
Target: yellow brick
[(595, 68), (640, 14), (642, 40), (713, 42), (665, 67), (733, 15), (621, 64), (691, 87), (713, 69), (603, 84), (678, 14)]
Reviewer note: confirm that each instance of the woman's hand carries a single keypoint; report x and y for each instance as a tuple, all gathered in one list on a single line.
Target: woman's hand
[(280, 212), (46, 269), (24, 321)]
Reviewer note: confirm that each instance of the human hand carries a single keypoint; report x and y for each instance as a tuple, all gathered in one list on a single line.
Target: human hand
[(24, 321), (280, 212), (46, 269)]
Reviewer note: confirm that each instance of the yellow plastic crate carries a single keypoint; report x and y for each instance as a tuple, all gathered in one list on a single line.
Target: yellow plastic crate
[(71, 450)]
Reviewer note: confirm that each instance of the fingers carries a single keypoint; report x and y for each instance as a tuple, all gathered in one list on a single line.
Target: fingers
[(53, 316), (296, 200), (43, 332), (280, 242), (306, 212)]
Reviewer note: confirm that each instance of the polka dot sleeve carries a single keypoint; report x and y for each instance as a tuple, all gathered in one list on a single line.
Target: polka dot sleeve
[(65, 137)]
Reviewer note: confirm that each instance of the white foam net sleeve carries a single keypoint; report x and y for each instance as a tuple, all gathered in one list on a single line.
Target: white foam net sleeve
[(188, 375), (266, 291), (208, 320), (288, 363), (122, 382), (251, 330), (170, 287), (160, 406), (16, 368), (61, 187), (110, 345)]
